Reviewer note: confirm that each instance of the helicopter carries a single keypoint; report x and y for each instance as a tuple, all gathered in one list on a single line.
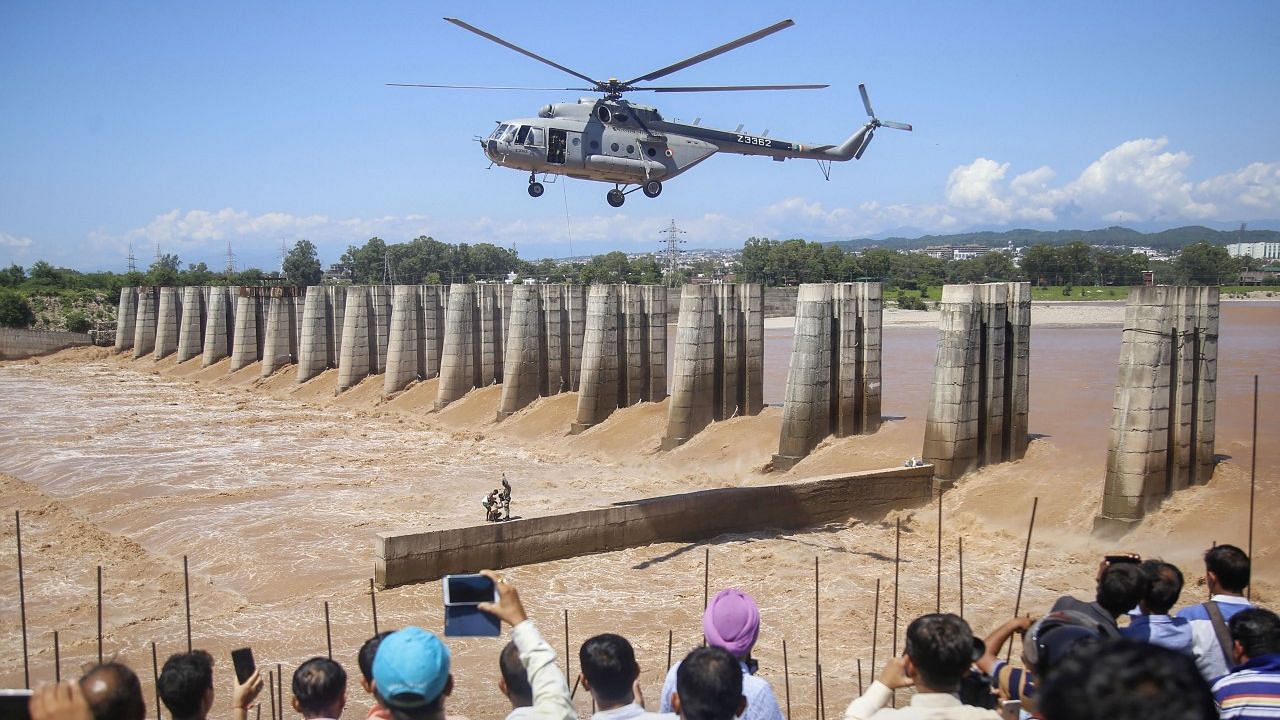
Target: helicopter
[(609, 139)]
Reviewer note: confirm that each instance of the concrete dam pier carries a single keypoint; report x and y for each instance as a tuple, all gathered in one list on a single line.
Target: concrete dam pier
[(978, 409), (719, 359), (624, 351), (1162, 427), (543, 353), (834, 381)]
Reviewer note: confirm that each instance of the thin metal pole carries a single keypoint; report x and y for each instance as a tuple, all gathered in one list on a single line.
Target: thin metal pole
[(822, 698), (938, 603), (279, 692), (1253, 475), (961, 577), (99, 614), (271, 687), (786, 677), (897, 564), (1026, 551), (875, 627), (373, 601), (817, 643), (706, 578), (155, 677), (669, 639), (57, 659), (22, 602), (859, 677), (566, 642), (186, 593), (328, 634)]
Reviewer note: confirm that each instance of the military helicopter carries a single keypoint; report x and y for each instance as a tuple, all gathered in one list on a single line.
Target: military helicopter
[(612, 140)]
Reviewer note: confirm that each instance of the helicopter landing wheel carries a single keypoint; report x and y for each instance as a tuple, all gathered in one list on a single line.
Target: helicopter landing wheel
[(535, 189), (615, 198), (652, 189)]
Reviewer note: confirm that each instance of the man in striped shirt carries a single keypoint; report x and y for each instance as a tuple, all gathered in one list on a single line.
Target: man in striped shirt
[(1252, 691)]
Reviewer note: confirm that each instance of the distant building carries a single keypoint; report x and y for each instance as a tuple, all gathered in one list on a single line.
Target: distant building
[(956, 252), (1256, 250), (1264, 276)]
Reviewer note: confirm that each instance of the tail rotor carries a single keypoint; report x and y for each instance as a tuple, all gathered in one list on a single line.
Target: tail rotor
[(874, 123)]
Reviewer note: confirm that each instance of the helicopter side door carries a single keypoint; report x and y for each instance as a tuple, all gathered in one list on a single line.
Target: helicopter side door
[(557, 144)]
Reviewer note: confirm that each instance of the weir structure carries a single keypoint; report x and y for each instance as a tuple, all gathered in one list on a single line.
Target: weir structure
[(168, 322), (1162, 427), (624, 351), (978, 408), (834, 379), (321, 340), (191, 333), (472, 351), (280, 333), (416, 340), (718, 372), (366, 331), (144, 325), (417, 555), (220, 324), (542, 355), (126, 316)]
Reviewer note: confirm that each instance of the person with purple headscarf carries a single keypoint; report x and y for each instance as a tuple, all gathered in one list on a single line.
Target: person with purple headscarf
[(732, 622)]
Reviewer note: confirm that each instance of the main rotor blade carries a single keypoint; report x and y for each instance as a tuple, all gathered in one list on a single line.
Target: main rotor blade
[(483, 87), (866, 100), (896, 125), (714, 52), (725, 88), (522, 51)]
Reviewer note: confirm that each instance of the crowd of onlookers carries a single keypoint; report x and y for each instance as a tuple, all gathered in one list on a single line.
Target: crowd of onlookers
[(1120, 655)]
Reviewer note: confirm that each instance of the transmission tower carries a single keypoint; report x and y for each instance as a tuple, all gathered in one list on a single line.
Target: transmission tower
[(231, 259), (284, 252), (158, 256), (388, 274), (673, 241), (133, 261)]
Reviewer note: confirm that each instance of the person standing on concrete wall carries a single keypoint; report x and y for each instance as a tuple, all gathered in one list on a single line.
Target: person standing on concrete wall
[(505, 496)]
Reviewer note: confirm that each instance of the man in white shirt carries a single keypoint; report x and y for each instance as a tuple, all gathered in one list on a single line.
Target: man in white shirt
[(609, 673), (1226, 569), (939, 650)]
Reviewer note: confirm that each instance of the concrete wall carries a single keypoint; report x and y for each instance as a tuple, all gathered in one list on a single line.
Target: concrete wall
[(320, 342), (718, 372), (1162, 428), (126, 316), (16, 344), (194, 314), (220, 325), (280, 334), (144, 326), (978, 407), (420, 555), (168, 322), (619, 367), (834, 379)]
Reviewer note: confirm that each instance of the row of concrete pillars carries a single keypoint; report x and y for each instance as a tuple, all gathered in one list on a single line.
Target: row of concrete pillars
[(608, 343)]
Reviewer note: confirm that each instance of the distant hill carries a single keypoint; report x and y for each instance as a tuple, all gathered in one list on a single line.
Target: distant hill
[(1173, 239)]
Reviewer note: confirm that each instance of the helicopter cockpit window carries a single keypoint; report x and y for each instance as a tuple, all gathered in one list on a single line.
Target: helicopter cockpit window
[(522, 134), (510, 134), (535, 137), (497, 132)]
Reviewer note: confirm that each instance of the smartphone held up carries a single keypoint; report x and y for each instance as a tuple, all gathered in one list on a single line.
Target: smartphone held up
[(462, 596)]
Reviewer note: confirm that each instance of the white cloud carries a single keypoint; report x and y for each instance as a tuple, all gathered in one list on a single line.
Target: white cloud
[(12, 241)]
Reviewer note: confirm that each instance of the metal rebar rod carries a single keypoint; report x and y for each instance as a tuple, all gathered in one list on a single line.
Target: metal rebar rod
[(897, 564), (566, 642), (328, 633), (373, 602), (817, 643), (938, 603), (271, 688), (279, 692), (706, 577), (1253, 474), (875, 627), (786, 677), (670, 637), (859, 677), (22, 602), (57, 659), (186, 593), (1022, 576), (155, 677), (961, 577), (99, 614)]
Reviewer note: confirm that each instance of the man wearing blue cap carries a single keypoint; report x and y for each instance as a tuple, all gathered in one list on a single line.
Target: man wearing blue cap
[(411, 670)]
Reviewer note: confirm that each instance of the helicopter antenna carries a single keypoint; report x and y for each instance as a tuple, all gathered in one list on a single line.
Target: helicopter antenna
[(673, 241)]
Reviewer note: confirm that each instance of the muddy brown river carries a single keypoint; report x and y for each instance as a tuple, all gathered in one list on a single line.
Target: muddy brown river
[(274, 493)]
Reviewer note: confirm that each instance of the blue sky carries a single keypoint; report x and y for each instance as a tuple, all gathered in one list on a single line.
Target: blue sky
[(193, 125)]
